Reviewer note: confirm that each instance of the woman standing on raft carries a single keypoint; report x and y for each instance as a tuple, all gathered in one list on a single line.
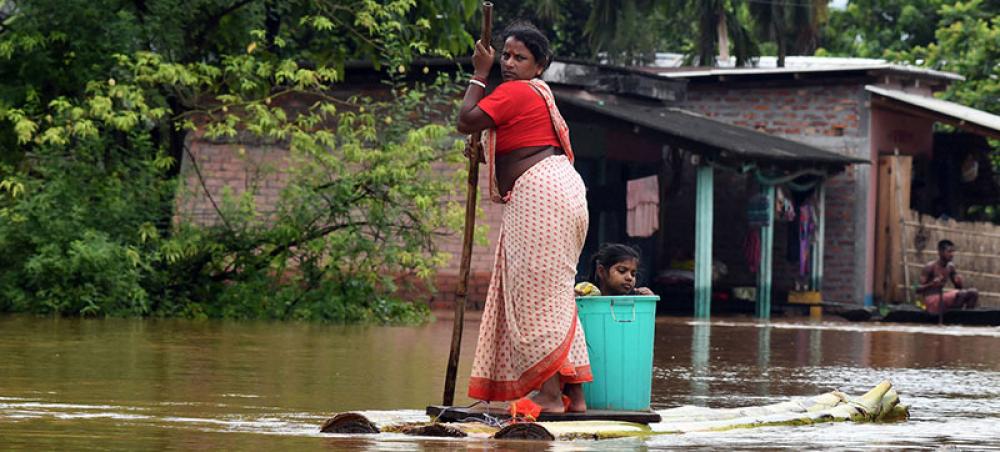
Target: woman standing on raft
[(530, 337)]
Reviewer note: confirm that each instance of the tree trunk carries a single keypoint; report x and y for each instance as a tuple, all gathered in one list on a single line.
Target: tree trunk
[(723, 34)]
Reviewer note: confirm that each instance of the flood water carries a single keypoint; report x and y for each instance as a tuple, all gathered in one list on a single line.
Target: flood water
[(113, 384)]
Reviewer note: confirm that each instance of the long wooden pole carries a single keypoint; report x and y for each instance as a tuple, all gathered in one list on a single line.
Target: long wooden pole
[(462, 292)]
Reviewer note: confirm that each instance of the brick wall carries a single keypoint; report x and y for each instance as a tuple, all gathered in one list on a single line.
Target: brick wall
[(232, 167), (833, 117), (489, 215), (219, 168)]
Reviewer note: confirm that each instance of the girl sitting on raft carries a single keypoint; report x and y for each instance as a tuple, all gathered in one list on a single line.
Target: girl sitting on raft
[(613, 270)]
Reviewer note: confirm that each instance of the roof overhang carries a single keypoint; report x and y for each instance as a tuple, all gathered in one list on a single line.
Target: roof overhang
[(617, 80), (723, 143), (958, 115), (883, 68)]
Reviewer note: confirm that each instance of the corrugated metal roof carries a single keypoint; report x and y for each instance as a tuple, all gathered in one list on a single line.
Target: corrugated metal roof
[(676, 62), (848, 67), (957, 112), (673, 60), (701, 134)]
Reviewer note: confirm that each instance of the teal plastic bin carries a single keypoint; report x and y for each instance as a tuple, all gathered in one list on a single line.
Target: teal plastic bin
[(619, 333)]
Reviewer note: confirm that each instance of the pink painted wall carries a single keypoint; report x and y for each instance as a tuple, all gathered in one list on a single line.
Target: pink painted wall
[(890, 130)]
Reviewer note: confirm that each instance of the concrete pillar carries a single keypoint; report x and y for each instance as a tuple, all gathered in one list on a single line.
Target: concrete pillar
[(704, 205)]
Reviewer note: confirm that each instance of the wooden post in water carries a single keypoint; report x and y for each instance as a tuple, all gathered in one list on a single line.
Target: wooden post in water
[(704, 205), (462, 292), (766, 249)]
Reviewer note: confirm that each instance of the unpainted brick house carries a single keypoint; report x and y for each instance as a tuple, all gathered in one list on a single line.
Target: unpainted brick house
[(820, 129)]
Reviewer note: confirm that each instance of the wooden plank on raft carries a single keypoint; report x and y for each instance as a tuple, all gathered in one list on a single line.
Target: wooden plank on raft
[(461, 414)]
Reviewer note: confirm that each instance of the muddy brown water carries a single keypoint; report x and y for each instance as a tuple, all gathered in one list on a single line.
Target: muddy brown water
[(121, 384)]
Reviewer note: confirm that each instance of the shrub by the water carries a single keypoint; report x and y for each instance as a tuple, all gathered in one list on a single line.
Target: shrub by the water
[(92, 136)]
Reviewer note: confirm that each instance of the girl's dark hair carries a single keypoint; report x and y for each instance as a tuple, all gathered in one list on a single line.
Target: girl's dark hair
[(610, 254), (533, 39)]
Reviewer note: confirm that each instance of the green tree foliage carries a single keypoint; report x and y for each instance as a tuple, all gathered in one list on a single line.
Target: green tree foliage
[(961, 36), (792, 25), (563, 20), (93, 125), (630, 32), (722, 21), (967, 42), (878, 28)]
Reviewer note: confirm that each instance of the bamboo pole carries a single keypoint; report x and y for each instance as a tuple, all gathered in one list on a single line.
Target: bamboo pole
[(462, 292)]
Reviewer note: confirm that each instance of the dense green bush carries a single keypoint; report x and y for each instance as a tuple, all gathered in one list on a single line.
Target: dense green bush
[(90, 158), (69, 239)]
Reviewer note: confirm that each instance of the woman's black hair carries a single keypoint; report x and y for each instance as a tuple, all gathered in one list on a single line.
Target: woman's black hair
[(533, 39), (610, 254)]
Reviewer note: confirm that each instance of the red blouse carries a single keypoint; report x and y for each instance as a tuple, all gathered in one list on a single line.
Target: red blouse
[(521, 117)]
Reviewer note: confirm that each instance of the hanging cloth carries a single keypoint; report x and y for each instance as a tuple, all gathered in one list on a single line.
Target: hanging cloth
[(807, 235), (642, 201), (784, 209)]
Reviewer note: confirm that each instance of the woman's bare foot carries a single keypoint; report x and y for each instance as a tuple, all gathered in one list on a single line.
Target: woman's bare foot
[(549, 396), (548, 403), (577, 404)]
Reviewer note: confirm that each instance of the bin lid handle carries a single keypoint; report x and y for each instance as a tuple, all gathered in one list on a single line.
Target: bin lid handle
[(626, 303)]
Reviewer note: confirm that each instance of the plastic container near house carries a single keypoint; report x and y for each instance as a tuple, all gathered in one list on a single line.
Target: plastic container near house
[(619, 332)]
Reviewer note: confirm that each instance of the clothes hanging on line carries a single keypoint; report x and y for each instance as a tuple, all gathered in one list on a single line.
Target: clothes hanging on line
[(642, 201), (807, 235), (784, 208)]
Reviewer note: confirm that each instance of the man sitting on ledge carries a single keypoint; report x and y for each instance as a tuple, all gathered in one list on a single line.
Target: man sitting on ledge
[(934, 276)]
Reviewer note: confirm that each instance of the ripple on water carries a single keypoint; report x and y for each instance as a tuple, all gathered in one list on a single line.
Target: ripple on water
[(138, 385)]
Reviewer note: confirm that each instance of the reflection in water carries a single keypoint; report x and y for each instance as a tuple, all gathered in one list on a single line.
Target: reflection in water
[(815, 347), (170, 384), (701, 345), (764, 360)]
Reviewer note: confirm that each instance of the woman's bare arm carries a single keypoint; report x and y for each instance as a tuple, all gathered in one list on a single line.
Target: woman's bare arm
[(470, 118)]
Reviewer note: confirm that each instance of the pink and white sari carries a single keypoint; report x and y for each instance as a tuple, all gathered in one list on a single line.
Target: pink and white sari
[(530, 330)]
